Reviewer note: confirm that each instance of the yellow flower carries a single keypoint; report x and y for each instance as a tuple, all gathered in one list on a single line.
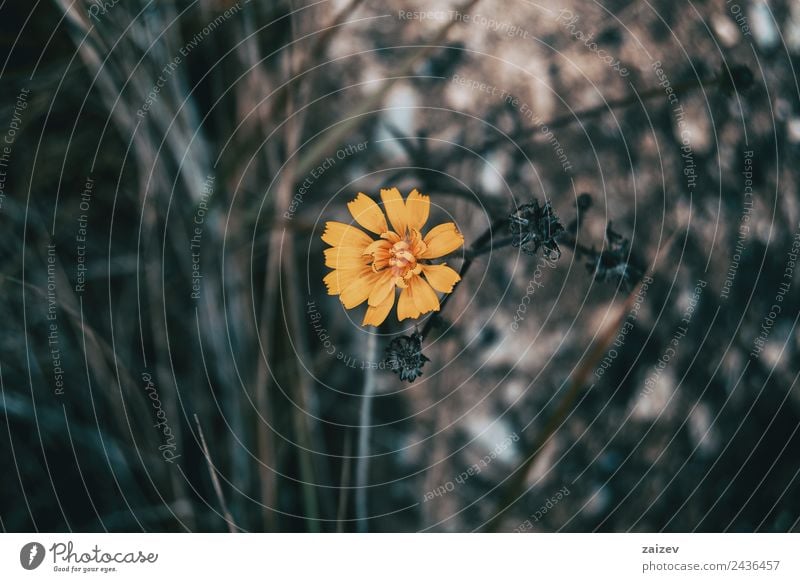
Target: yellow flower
[(366, 269)]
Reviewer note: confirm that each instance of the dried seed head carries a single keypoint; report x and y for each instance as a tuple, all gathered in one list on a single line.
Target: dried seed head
[(404, 356), (533, 227)]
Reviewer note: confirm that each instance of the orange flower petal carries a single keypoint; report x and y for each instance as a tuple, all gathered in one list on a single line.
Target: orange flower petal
[(377, 315), (337, 280), (395, 209), (338, 234), (346, 258), (377, 246), (382, 288), (418, 208), (441, 277), (418, 247), (380, 251), (358, 290), (442, 240), (416, 299), (390, 236), (368, 214), (424, 296), (405, 306)]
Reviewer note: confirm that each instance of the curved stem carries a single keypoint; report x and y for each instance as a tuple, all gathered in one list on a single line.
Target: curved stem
[(480, 247), (477, 248)]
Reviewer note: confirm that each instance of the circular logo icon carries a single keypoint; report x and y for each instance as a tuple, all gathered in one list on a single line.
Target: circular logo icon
[(31, 555)]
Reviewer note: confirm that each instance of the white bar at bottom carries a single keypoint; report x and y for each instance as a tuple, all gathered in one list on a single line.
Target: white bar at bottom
[(402, 557)]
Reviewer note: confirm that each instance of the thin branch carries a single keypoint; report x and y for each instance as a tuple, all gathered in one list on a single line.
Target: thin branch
[(365, 430), (214, 479), (341, 512), (338, 132), (526, 135)]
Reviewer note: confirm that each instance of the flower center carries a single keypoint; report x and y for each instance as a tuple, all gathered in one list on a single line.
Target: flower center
[(401, 258)]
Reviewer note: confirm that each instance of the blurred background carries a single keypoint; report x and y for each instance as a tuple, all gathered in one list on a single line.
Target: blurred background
[(170, 359)]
